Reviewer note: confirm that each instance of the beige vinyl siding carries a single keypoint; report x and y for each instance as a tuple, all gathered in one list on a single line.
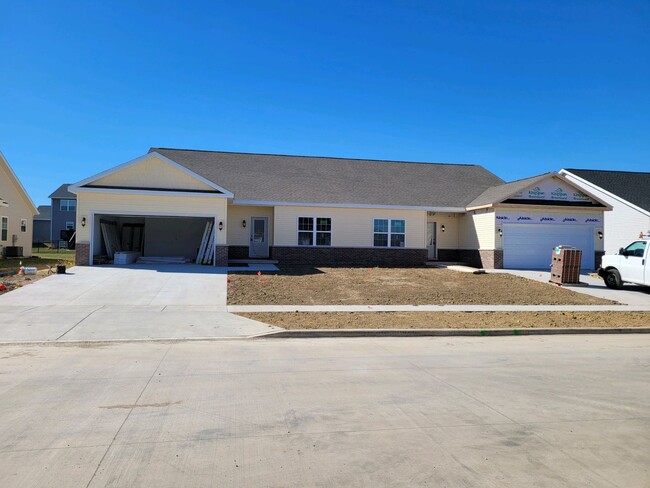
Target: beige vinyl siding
[(449, 238), (125, 204), (17, 210), (351, 227), (477, 230), (598, 243), (237, 234), (152, 173)]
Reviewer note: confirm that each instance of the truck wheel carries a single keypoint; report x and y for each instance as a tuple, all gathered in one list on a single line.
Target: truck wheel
[(613, 279)]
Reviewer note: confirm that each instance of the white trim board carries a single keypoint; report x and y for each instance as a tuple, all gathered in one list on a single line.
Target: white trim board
[(76, 187), (134, 191)]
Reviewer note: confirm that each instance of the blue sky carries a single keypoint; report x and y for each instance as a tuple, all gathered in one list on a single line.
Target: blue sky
[(518, 87)]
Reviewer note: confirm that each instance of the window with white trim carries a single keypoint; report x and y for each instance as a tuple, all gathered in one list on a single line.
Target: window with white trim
[(23, 225), (4, 228), (68, 205), (389, 233), (69, 225), (314, 231)]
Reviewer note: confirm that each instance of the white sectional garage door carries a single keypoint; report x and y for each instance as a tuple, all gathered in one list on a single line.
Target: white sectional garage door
[(530, 246)]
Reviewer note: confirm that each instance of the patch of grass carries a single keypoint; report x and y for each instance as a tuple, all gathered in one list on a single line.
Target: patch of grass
[(12, 265)]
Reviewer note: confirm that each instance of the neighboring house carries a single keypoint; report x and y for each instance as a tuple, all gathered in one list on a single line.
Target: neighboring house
[(629, 195), (64, 215), (316, 210), (43, 224), (16, 214)]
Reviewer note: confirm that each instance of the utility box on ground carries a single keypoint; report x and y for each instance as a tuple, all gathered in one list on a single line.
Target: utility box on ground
[(565, 265)]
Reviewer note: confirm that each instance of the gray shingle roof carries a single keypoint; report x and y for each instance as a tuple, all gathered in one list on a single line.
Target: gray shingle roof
[(44, 212), (308, 179), (633, 187), (499, 193), (3, 203), (62, 192)]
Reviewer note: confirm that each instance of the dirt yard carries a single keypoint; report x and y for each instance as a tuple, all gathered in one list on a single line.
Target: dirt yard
[(10, 279), (395, 286), (450, 320)]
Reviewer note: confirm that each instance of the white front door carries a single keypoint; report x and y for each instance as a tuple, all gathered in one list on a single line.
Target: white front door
[(259, 243), (432, 251), (530, 246)]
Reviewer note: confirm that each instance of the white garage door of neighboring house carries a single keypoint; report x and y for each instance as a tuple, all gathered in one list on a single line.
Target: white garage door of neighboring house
[(530, 246)]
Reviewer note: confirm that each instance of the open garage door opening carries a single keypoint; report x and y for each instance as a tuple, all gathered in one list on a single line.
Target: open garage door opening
[(128, 239)]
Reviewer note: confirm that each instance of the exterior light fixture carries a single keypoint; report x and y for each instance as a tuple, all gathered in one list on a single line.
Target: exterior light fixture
[(500, 232), (442, 227), (221, 225), (243, 223), (600, 234), (83, 221)]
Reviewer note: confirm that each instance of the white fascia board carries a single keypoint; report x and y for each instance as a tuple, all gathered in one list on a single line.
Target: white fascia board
[(76, 186), (489, 205), (18, 183), (265, 203), (582, 181), (127, 191)]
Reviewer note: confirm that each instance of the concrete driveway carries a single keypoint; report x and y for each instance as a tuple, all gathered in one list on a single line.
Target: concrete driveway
[(124, 303), (629, 295), (561, 411)]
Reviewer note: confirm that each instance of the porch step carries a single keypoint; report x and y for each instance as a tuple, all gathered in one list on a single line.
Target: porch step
[(252, 261)]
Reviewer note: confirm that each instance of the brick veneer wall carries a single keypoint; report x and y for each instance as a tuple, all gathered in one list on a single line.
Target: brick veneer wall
[(489, 259), (351, 256), (82, 254), (222, 256)]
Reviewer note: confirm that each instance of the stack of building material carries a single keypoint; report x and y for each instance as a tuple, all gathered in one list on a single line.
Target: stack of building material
[(126, 257), (206, 249), (163, 260), (111, 241), (565, 265)]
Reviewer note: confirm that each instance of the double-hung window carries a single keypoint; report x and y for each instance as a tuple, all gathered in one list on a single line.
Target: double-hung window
[(23, 225), (314, 231), (4, 228), (68, 205), (389, 233)]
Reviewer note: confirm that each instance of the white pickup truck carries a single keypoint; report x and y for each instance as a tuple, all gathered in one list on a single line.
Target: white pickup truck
[(630, 265)]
